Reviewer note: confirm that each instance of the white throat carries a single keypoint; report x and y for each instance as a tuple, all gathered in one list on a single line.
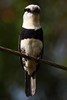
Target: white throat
[(31, 21)]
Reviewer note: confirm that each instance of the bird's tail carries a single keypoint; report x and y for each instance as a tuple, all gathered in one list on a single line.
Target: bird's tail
[(30, 84)]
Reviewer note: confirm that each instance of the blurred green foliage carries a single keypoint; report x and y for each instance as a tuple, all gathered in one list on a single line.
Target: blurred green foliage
[(52, 82)]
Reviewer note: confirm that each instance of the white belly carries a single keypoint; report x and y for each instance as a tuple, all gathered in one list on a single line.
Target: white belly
[(32, 47)]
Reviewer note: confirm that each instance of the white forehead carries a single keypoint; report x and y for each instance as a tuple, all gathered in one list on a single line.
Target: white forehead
[(32, 6)]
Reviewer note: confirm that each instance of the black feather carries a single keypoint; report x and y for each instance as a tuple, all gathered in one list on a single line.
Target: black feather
[(31, 33), (27, 84)]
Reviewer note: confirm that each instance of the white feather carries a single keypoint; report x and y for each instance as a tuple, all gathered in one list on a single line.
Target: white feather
[(33, 85), (32, 6), (33, 48), (31, 20)]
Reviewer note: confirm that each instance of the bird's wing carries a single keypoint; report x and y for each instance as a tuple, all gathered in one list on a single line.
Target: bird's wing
[(19, 50)]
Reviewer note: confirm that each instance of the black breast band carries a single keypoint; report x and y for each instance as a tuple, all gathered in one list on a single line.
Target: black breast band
[(31, 33)]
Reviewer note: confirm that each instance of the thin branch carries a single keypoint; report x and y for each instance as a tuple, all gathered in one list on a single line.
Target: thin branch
[(32, 58)]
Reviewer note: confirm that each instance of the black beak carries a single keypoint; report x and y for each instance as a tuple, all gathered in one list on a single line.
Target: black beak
[(36, 10)]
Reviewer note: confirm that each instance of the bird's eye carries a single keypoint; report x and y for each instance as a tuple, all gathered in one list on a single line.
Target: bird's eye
[(27, 9)]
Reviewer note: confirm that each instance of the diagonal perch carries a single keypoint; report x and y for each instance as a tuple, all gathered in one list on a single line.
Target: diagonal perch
[(10, 51)]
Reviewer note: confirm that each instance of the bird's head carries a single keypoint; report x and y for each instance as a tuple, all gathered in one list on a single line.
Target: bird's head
[(32, 9), (31, 16)]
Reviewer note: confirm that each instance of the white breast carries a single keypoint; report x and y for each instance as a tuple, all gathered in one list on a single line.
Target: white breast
[(32, 47)]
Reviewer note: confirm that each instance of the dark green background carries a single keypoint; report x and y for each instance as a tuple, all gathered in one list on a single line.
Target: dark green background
[(51, 82)]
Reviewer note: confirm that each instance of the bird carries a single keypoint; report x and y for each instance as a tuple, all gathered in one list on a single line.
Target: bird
[(31, 44)]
